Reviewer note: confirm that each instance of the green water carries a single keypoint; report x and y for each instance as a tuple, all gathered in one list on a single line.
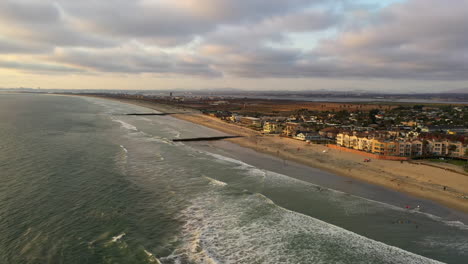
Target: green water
[(81, 183)]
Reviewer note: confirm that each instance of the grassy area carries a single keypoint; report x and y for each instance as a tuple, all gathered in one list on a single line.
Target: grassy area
[(461, 163)]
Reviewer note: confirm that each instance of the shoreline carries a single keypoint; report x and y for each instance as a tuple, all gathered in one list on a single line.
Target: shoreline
[(417, 180)]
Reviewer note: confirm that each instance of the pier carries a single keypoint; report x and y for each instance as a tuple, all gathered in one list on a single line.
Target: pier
[(204, 138)]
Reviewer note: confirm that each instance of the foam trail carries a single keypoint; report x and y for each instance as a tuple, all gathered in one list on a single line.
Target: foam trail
[(215, 182), (125, 125), (124, 149), (117, 238), (151, 257)]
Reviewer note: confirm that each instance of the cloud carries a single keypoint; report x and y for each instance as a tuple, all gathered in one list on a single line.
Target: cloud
[(47, 68), (417, 39), (134, 60), (8, 46), (413, 39), (44, 23)]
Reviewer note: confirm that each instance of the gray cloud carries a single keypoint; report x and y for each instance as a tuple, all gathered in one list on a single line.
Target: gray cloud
[(416, 39), (133, 60), (11, 47), (44, 23), (39, 67), (401, 42)]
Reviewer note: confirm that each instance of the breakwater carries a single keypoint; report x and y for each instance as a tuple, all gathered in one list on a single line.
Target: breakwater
[(150, 114), (204, 138)]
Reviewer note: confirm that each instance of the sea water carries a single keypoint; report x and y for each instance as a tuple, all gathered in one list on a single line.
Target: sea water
[(80, 182)]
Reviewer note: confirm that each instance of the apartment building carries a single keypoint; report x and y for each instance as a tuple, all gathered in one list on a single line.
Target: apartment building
[(404, 148)]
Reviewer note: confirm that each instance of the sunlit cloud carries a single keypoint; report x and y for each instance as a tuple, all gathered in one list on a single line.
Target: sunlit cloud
[(412, 40)]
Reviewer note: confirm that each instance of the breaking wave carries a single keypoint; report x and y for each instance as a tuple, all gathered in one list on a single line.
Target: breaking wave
[(250, 228)]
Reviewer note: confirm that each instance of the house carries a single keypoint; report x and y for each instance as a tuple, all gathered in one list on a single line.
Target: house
[(251, 121), (329, 132), (312, 137), (445, 129), (304, 136), (235, 118), (272, 127), (291, 128)]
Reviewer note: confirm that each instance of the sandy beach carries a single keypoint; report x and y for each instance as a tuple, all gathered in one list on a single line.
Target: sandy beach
[(413, 178)]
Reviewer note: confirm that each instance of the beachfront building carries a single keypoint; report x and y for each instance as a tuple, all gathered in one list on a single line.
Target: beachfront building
[(291, 129), (376, 144), (359, 141), (384, 147), (353, 142), (404, 148), (340, 139), (345, 139), (306, 136), (445, 148), (272, 127), (312, 137), (329, 132), (457, 149), (417, 148), (235, 118), (437, 148), (365, 144), (251, 121)]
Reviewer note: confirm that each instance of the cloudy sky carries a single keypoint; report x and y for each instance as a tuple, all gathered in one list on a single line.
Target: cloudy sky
[(381, 45)]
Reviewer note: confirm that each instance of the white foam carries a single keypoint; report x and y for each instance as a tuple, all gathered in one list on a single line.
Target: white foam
[(117, 238), (456, 224), (449, 243), (230, 160), (215, 182), (252, 229), (151, 257), (124, 149)]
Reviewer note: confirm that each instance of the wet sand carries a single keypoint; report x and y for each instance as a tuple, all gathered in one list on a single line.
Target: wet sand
[(411, 178)]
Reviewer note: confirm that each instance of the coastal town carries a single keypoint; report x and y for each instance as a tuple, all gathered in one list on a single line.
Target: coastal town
[(384, 131)]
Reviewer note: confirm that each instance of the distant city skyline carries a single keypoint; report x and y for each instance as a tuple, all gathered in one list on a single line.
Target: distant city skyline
[(380, 46)]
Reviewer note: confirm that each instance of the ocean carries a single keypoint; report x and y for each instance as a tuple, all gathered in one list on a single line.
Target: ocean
[(80, 182)]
